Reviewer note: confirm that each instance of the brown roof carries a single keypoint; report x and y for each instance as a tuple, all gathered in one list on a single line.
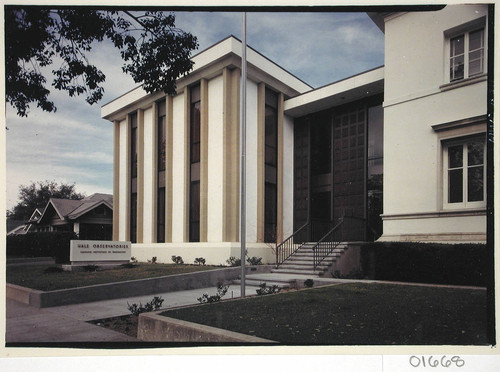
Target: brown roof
[(73, 209)]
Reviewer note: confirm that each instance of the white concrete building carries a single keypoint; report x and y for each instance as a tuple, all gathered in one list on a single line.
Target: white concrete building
[(412, 131)]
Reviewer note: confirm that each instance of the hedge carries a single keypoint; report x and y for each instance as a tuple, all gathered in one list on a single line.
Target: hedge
[(41, 244), (455, 264)]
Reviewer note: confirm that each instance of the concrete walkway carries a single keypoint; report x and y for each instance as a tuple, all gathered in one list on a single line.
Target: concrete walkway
[(61, 324), (26, 324)]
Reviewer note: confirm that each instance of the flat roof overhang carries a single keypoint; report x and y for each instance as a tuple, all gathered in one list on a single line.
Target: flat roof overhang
[(356, 87), (208, 64)]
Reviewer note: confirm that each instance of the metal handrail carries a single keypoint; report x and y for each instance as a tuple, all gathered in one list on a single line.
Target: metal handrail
[(289, 246), (326, 245), (345, 231)]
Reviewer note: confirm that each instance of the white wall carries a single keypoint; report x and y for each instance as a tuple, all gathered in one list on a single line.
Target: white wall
[(287, 176), (122, 179), (251, 163), (149, 177), (415, 52), (414, 101), (215, 213), (178, 171)]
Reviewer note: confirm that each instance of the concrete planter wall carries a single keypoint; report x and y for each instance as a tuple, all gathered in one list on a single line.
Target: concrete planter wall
[(129, 288), (154, 327)]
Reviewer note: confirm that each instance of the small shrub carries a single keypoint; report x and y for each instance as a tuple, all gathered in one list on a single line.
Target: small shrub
[(199, 261), (90, 268), (254, 260), (308, 283), (53, 269), (233, 261), (153, 305), (265, 290), (133, 259), (177, 260), (221, 292)]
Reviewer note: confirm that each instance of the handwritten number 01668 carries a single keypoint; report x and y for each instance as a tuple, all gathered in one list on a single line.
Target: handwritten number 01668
[(433, 362)]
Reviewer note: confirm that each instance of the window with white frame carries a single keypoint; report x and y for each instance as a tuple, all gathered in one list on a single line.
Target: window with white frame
[(467, 55), (464, 173)]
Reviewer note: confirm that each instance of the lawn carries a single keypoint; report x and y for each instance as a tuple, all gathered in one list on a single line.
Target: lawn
[(353, 314), (34, 276)]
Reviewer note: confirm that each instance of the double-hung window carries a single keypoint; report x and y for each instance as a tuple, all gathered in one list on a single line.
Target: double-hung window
[(464, 173), (467, 55)]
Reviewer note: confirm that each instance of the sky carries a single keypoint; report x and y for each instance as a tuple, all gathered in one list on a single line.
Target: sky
[(74, 145)]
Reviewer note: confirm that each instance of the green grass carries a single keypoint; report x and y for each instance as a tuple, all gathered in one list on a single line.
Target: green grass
[(354, 314), (33, 276)]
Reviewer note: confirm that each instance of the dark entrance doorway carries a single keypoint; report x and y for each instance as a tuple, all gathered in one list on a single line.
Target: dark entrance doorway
[(331, 168)]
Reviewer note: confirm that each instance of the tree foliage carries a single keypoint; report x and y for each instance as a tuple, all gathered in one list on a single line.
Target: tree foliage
[(37, 195), (154, 51)]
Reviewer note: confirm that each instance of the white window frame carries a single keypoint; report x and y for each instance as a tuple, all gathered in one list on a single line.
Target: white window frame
[(465, 204), (465, 30)]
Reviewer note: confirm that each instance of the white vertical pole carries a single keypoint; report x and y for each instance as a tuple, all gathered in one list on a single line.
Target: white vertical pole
[(243, 106)]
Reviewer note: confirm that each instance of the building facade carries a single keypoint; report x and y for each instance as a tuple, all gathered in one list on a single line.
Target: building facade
[(382, 147)]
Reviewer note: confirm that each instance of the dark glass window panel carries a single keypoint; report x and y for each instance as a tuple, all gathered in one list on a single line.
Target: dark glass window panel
[(476, 40), (271, 156), (162, 154), (133, 152), (194, 212), (321, 147), (271, 138), (457, 45), (133, 218), (320, 206), (194, 189), (455, 186), (270, 213), (475, 67), (475, 184), (195, 93), (270, 174), (162, 108), (160, 230), (195, 152), (475, 153), (271, 98), (455, 156), (457, 68), (195, 172)]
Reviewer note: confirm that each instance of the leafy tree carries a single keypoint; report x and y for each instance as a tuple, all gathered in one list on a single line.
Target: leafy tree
[(37, 195), (154, 51)]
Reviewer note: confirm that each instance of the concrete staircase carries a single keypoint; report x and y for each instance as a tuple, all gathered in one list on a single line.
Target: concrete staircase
[(301, 262), (296, 269)]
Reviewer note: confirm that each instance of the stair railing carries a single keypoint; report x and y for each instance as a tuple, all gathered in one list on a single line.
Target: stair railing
[(290, 245), (327, 244), (349, 228)]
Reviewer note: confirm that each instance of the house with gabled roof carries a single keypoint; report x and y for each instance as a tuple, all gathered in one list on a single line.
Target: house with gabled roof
[(91, 218)]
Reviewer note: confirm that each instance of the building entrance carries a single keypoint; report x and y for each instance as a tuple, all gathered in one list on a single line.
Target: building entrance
[(331, 168)]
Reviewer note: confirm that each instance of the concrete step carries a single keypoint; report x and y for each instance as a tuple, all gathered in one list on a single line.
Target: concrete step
[(257, 283), (305, 264), (300, 272), (310, 257)]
